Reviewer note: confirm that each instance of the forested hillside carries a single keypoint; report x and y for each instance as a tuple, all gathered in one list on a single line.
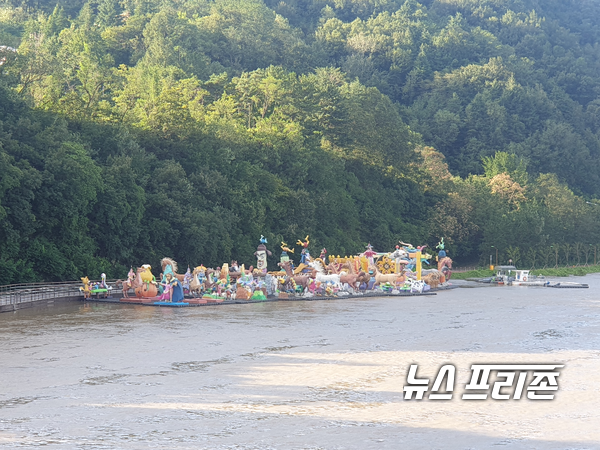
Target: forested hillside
[(139, 129)]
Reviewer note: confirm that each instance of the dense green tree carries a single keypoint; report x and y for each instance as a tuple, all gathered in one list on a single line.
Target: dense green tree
[(134, 130), (108, 11)]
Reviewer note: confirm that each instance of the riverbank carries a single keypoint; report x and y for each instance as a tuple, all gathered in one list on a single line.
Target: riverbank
[(548, 272)]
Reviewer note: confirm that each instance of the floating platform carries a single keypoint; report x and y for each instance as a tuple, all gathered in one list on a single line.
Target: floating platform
[(569, 285), (130, 300), (170, 304), (205, 301), (529, 283), (538, 283)]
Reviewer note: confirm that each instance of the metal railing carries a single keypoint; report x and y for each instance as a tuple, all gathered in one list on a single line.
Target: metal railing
[(465, 269), (14, 294)]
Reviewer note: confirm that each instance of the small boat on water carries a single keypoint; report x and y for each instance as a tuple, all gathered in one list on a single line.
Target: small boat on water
[(524, 278), (502, 276), (511, 276)]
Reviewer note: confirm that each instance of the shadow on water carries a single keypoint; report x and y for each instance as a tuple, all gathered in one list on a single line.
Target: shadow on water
[(180, 429)]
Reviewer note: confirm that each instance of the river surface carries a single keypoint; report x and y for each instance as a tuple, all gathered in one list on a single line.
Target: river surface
[(298, 375)]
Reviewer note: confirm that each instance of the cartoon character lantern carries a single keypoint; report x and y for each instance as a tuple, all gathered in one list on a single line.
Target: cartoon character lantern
[(261, 257), (148, 288), (441, 248), (284, 252), (323, 255), (304, 255), (370, 254)]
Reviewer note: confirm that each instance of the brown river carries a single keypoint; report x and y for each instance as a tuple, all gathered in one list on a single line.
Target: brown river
[(298, 375)]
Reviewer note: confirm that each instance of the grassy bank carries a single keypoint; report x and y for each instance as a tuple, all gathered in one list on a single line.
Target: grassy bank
[(480, 273), (560, 272), (566, 271)]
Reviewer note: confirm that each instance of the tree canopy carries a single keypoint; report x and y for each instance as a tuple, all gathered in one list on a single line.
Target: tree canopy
[(138, 129)]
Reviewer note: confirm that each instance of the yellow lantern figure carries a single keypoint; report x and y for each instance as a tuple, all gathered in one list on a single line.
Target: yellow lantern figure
[(385, 265), (418, 264)]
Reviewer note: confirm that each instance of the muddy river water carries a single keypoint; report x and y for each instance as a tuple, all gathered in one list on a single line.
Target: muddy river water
[(298, 375)]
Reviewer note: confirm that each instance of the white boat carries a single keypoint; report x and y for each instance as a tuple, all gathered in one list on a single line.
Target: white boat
[(511, 276), (523, 278)]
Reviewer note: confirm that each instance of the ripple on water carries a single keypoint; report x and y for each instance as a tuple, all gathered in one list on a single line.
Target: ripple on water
[(554, 334), (18, 401), (286, 379), (198, 366), (106, 379), (279, 349)]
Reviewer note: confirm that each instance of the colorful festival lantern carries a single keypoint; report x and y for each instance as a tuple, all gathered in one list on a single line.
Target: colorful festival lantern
[(305, 255), (261, 254), (284, 252), (323, 255), (441, 247), (148, 287)]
